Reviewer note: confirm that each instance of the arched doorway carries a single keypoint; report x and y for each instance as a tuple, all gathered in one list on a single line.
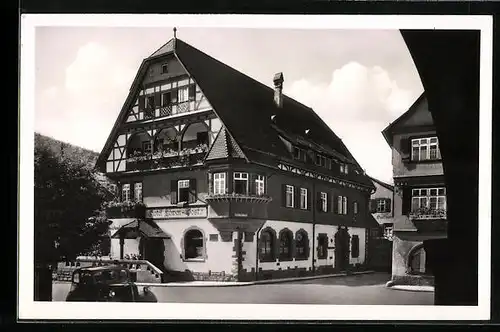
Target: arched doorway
[(342, 239), (153, 250), (417, 261)]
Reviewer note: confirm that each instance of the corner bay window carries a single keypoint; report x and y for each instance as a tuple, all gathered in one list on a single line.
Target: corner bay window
[(219, 183), (240, 183), (425, 149), (428, 198)]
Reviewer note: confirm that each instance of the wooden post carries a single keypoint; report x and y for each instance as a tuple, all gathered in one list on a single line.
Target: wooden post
[(122, 243)]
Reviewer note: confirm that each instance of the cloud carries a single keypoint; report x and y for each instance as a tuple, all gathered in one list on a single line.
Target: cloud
[(358, 103), (83, 108)]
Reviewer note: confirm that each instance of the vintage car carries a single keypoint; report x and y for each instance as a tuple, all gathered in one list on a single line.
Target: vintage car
[(111, 283)]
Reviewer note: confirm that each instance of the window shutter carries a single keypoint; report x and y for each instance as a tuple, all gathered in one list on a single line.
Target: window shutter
[(283, 195), (157, 99), (331, 202), (309, 200), (327, 202), (387, 205), (406, 204), (173, 192), (210, 183), (318, 202), (192, 92), (336, 204), (405, 148), (192, 191), (141, 103), (227, 182), (373, 206)]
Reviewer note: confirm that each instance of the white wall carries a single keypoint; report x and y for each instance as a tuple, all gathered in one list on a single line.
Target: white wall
[(218, 253), (130, 247), (330, 230), (360, 232)]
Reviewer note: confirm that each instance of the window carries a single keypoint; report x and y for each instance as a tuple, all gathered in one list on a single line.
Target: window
[(328, 163), (320, 160), (166, 99), (259, 185), (289, 196), (125, 192), (355, 246), (138, 191), (303, 198), (324, 202), (146, 147), (425, 149), (150, 102), (183, 94), (164, 68), (266, 246), (297, 153), (285, 245), (193, 244), (219, 183), (241, 183), (301, 245), (381, 205), (183, 190), (342, 205), (322, 246), (428, 198), (346, 169), (355, 207)]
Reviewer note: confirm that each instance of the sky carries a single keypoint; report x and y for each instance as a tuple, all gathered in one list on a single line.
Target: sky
[(358, 81)]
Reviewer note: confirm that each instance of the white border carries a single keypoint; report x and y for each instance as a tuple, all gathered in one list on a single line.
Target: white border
[(28, 309)]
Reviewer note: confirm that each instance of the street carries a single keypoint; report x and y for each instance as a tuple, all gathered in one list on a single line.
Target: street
[(367, 289)]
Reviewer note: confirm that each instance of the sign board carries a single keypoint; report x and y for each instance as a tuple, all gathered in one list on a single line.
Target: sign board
[(175, 213)]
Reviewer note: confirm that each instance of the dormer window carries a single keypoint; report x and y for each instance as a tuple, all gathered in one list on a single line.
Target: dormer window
[(320, 160), (146, 147), (164, 68), (344, 168)]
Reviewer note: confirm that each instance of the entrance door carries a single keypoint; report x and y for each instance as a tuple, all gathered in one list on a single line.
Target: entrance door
[(153, 250), (341, 249)]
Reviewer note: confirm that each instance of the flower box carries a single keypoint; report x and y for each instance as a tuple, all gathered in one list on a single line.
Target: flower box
[(427, 213), (126, 210)]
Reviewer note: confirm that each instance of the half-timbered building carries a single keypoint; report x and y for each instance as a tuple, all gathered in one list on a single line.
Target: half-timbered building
[(221, 177), (419, 192)]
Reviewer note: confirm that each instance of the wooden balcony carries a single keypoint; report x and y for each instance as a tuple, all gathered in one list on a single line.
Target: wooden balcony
[(168, 159)]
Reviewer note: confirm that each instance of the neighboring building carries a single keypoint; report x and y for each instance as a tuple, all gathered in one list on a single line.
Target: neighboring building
[(381, 208), (420, 192), (239, 181)]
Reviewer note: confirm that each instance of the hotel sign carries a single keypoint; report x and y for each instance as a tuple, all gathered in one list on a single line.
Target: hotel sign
[(175, 213)]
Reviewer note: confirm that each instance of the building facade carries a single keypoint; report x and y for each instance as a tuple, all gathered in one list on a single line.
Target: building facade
[(419, 192), (223, 178), (382, 210)]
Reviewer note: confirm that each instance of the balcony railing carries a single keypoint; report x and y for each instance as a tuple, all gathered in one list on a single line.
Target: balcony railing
[(167, 159), (239, 198), (428, 214)]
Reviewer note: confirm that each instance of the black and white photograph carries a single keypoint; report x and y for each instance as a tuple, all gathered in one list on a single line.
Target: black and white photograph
[(254, 167)]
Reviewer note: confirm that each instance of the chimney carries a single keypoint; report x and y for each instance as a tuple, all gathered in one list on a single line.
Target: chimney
[(278, 88)]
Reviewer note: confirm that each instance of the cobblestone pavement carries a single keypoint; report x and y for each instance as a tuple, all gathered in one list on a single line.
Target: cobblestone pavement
[(367, 289)]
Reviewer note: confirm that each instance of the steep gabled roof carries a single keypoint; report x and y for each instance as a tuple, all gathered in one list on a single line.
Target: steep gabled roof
[(383, 184), (245, 107), (413, 108)]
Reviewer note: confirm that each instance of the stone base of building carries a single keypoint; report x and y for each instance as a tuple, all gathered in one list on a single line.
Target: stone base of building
[(413, 280)]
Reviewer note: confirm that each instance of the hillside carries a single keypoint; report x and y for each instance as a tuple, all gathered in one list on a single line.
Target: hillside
[(77, 154)]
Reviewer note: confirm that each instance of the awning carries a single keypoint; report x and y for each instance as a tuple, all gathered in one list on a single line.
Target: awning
[(138, 228)]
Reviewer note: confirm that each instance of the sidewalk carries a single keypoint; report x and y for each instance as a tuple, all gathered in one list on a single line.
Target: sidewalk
[(413, 288), (243, 283)]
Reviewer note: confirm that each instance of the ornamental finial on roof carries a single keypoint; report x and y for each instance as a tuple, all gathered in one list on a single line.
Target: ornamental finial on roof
[(175, 32)]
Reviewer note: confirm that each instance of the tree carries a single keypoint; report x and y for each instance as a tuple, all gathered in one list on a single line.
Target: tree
[(69, 219)]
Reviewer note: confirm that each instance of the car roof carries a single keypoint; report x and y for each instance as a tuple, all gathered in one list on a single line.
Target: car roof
[(102, 268)]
